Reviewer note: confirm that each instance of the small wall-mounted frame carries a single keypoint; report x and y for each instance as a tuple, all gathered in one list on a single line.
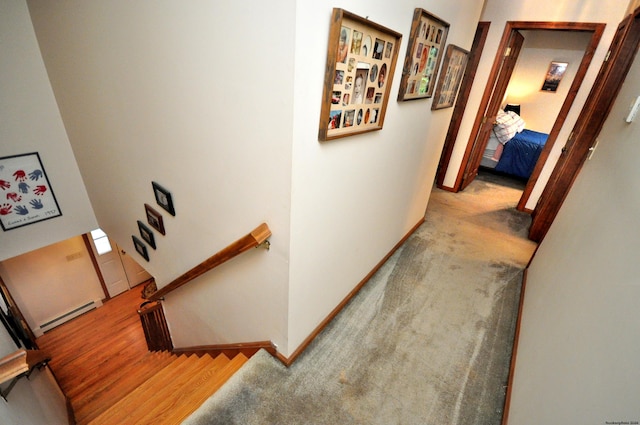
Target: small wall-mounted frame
[(141, 248), (424, 53), (163, 198), (147, 234), (154, 218), (361, 61), (27, 195), (453, 67), (554, 76)]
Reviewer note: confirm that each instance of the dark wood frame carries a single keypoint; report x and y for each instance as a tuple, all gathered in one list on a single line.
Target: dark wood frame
[(418, 42), (163, 198), (140, 247), (453, 67), (351, 64), (147, 234), (154, 218)]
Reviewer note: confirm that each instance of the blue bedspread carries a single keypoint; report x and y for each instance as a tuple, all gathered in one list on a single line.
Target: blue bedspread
[(521, 153)]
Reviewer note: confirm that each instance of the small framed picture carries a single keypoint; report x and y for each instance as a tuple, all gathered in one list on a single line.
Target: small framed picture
[(554, 76), (146, 234), (163, 198), (154, 219), (141, 248)]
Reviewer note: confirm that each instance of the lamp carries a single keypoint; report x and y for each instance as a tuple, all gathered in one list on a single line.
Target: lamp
[(512, 107)]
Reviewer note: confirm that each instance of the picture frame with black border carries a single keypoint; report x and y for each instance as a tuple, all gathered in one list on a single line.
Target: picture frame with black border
[(141, 248), (147, 234), (154, 218), (163, 198)]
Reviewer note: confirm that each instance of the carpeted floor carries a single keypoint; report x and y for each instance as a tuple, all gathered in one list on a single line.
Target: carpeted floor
[(426, 341)]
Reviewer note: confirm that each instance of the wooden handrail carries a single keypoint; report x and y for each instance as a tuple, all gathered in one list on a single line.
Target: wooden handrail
[(16, 365), (258, 236)]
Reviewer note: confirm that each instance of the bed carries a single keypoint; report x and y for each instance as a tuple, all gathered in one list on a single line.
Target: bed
[(520, 148)]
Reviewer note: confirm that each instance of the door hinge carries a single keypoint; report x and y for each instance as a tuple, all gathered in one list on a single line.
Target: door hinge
[(507, 52), (606, 58), (592, 149)]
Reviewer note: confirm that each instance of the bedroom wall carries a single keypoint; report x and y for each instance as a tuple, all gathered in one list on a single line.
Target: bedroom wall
[(30, 122), (498, 12), (355, 198), (540, 108), (579, 348)]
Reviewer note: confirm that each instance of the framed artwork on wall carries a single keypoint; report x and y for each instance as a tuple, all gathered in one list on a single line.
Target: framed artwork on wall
[(361, 60), (424, 53), (554, 76), (27, 195), (141, 248), (453, 67), (146, 234), (163, 198), (154, 218)]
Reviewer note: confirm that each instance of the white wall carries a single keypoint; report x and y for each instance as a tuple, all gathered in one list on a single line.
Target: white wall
[(199, 98), (355, 198), (498, 12), (540, 108), (30, 122), (579, 346), (52, 281)]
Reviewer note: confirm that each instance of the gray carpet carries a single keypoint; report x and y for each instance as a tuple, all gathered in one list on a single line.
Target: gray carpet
[(427, 340)]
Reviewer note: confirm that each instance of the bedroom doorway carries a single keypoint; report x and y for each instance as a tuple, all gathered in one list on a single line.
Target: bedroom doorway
[(492, 100)]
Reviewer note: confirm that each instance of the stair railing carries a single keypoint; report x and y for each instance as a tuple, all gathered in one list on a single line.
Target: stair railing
[(19, 364), (151, 313)]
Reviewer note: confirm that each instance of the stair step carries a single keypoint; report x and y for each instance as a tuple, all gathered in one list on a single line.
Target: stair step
[(117, 386), (174, 392)]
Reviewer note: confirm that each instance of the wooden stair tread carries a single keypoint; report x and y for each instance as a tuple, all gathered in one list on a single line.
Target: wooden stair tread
[(174, 393), (178, 408), (87, 408)]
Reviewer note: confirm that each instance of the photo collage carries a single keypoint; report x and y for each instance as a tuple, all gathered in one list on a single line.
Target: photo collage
[(363, 64), (425, 58)]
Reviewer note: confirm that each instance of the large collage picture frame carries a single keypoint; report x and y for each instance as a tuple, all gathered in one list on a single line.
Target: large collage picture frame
[(424, 54), (361, 61), (453, 68)]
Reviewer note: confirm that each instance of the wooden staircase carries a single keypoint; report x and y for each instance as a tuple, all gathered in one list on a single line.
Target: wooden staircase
[(172, 393)]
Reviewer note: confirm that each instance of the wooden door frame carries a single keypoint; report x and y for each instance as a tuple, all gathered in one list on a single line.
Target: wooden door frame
[(595, 111), (463, 97), (596, 29)]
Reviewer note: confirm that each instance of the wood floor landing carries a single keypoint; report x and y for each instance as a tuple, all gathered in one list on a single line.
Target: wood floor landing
[(94, 356)]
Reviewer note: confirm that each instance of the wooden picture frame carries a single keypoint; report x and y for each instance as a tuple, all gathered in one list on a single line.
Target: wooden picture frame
[(424, 54), (453, 67), (140, 247), (27, 195), (146, 234), (163, 198), (361, 60), (554, 76), (154, 218)]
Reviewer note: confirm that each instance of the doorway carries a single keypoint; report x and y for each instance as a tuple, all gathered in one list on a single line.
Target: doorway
[(493, 99), (118, 270)]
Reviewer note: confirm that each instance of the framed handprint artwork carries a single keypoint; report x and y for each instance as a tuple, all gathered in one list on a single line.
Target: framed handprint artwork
[(424, 53), (26, 196), (361, 60)]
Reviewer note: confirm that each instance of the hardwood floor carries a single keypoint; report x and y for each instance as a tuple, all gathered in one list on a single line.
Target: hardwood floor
[(94, 355)]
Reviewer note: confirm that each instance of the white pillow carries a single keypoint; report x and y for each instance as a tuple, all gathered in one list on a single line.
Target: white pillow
[(507, 125)]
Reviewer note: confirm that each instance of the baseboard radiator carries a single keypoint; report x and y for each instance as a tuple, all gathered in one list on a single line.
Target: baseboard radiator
[(50, 324)]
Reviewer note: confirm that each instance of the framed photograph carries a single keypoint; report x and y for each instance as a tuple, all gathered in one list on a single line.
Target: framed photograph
[(146, 234), (554, 76), (163, 198), (424, 53), (453, 67), (26, 194), (361, 60), (154, 219), (141, 248)]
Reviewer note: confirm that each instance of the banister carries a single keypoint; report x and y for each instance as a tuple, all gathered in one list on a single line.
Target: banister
[(18, 364), (257, 237)]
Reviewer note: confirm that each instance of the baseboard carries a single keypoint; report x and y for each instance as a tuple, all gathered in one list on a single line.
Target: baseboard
[(514, 352), (230, 350), (288, 361)]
